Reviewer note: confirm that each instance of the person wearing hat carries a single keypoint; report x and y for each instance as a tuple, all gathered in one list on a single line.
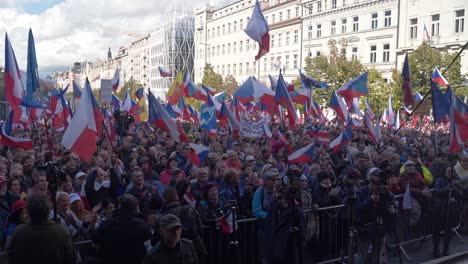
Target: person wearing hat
[(172, 248), (80, 178), (418, 186), (18, 216), (419, 168), (324, 195)]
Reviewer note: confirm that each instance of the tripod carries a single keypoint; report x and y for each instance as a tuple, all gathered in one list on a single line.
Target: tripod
[(354, 242)]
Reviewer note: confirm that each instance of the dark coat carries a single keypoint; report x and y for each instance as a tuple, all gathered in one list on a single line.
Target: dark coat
[(184, 253), (121, 239), (49, 243), (95, 197)]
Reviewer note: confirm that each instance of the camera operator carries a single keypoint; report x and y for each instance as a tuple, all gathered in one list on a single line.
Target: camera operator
[(373, 218), (123, 120), (283, 226)]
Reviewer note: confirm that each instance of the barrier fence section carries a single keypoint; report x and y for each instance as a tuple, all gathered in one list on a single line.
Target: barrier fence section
[(326, 235)]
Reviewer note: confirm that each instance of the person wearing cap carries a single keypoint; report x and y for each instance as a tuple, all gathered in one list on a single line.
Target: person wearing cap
[(422, 170), (122, 238), (40, 240), (418, 186), (80, 178), (172, 248), (249, 160), (18, 216)]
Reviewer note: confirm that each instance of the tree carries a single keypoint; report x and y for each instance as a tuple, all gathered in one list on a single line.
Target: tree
[(131, 86), (211, 78), (335, 70), (379, 91), (229, 85)]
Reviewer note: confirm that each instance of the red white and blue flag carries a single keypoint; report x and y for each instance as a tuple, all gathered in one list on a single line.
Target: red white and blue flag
[(344, 138), (337, 104), (10, 141), (370, 128), (159, 117), (391, 113), (458, 124), (14, 87), (199, 154), (283, 98), (303, 155), (310, 83), (355, 87), (257, 29), (115, 80), (438, 78), (369, 110), (163, 72)]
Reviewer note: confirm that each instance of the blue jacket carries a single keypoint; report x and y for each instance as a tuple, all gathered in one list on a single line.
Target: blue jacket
[(257, 203)]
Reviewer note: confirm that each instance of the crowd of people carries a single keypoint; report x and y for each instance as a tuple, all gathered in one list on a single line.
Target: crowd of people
[(141, 198)]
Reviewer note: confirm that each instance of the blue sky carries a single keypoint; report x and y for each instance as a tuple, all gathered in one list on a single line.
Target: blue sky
[(39, 6)]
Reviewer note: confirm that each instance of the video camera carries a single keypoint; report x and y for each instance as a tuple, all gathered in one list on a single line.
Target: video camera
[(54, 175)]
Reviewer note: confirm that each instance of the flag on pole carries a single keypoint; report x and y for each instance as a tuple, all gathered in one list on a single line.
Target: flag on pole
[(355, 87), (32, 74), (303, 155), (10, 141), (458, 124), (14, 87), (199, 154), (438, 78), (406, 84), (425, 32), (159, 117), (163, 72), (283, 98), (80, 136), (397, 121), (440, 104), (257, 29), (391, 113), (337, 104), (176, 90), (116, 80), (344, 138), (407, 204), (418, 96), (77, 90), (310, 83)]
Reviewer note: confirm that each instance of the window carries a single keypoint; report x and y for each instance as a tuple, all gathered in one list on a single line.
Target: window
[(254, 66), (218, 31), (355, 23), (333, 28), (295, 61), (280, 16), (413, 28), (297, 11), (272, 63), (344, 21), (273, 18), (287, 38), (229, 28), (318, 53), (319, 30), (229, 69), (229, 48), (319, 6), (241, 43), (247, 68), (217, 69), (218, 49), (265, 64), (224, 29), (240, 68), (373, 54), (354, 53), (309, 33), (388, 18), (213, 51), (272, 40), (334, 4), (247, 45), (234, 47), (288, 14), (460, 21), (235, 26), (209, 33), (234, 69), (213, 33), (374, 20), (224, 49), (280, 39), (223, 71), (386, 52), (286, 62), (296, 36), (241, 24), (435, 25), (266, 19), (344, 2)]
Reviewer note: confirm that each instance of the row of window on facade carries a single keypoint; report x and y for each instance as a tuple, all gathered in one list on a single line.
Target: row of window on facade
[(434, 28), (324, 5), (387, 22)]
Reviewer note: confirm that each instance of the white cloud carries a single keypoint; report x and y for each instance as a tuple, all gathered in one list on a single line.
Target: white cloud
[(70, 31)]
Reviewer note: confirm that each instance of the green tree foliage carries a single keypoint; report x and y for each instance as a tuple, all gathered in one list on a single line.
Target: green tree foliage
[(211, 78), (230, 85), (131, 86), (379, 91)]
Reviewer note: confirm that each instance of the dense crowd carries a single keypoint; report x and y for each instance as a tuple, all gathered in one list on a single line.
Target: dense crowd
[(141, 196)]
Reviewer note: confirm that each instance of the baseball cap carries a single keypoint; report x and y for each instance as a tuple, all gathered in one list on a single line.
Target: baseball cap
[(249, 158), (169, 221), (409, 162), (74, 197), (79, 174)]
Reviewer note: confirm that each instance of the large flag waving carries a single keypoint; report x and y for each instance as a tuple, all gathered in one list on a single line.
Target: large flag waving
[(355, 87), (116, 80), (159, 117), (32, 74), (406, 85), (438, 78), (14, 87), (176, 90), (304, 154), (310, 83), (10, 141), (283, 98), (80, 136), (257, 29), (440, 104), (458, 123)]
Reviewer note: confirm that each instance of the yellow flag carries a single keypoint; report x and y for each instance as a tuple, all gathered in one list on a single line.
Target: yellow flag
[(175, 92), (143, 109)]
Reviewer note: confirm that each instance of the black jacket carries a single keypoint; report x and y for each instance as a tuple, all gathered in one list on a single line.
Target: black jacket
[(121, 239), (184, 253), (95, 197)]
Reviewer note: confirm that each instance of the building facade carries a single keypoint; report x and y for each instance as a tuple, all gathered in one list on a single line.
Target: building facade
[(445, 22), (366, 29)]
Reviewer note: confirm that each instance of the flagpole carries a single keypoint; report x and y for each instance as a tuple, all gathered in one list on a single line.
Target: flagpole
[(428, 92)]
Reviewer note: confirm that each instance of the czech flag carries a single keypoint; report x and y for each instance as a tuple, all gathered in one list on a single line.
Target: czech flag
[(370, 128), (163, 72), (355, 87), (438, 78), (440, 104), (254, 90), (199, 154), (226, 114), (344, 138), (77, 91), (159, 117), (115, 80), (80, 136), (10, 141), (303, 155), (310, 83), (418, 96), (14, 87), (140, 93), (369, 110), (458, 124), (283, 98), (391, 113), (397, 121), (337, 104), (257, 29), (406, 84)]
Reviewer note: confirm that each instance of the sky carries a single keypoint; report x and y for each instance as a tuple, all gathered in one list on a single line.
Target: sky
[(66, 31)]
